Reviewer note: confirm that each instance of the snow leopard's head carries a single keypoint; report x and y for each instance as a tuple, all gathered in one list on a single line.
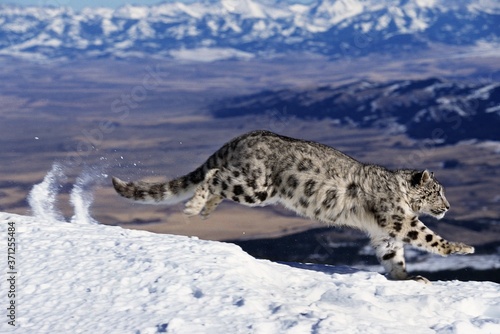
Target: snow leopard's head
[(427, 194)]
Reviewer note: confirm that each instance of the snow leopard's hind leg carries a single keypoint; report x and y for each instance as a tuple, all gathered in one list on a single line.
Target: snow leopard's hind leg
[(204, 201), (250, 188), (211, 204)]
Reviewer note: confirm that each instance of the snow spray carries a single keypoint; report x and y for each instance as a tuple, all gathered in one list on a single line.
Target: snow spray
[(81, 197), (43, 196)]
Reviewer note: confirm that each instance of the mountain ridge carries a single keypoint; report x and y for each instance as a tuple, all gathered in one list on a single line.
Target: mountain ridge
[(433, 109), (243, 29)]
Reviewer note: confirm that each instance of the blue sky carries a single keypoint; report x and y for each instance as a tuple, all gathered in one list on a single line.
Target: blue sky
[(78, 4)]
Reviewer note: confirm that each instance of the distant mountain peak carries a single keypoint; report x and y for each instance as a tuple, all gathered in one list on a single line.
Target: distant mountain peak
[(256, 27)]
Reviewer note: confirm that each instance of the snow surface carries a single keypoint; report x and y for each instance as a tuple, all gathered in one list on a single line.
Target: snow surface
[(82, 277)]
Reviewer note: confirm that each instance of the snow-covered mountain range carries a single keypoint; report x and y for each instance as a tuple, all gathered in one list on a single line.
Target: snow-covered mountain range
[(445, 112), (214, 29)]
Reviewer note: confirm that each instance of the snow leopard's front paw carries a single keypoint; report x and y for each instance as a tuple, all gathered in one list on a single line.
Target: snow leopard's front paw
[(460, 248)]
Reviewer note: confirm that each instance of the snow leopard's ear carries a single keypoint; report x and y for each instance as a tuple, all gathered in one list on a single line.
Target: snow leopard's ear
[(426, 176), (421, 178)]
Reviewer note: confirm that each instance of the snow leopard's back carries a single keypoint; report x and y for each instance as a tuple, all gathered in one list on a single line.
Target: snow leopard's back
[(248, 165)]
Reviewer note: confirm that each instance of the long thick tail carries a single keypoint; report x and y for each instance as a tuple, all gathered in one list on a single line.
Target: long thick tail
[(179, 189), (170, 192)]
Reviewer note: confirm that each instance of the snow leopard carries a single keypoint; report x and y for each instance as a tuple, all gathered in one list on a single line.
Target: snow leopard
[(319, 182)]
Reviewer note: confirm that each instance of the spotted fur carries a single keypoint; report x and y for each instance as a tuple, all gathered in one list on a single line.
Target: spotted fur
[(315, 181)]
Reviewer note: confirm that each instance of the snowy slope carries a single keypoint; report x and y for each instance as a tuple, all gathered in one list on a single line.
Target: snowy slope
[(336, 28), (82, 277), (76, 278)]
